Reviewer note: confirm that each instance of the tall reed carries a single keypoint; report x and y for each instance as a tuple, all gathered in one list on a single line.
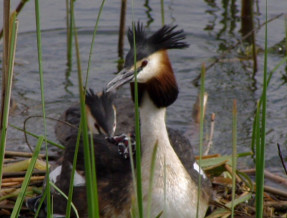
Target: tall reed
[(9, 68), (137, 128), (91, 186), (260, 148), (21, 196), (234, 154), (202, 92), (40, 65)]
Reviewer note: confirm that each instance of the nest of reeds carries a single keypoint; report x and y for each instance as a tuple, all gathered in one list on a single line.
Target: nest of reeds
[(217, 167)]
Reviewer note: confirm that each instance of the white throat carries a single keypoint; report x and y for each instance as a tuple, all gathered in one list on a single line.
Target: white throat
[(153, 128), (173, 192)]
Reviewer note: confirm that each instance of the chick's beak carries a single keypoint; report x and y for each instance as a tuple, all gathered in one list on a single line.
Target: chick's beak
[(123, 77)]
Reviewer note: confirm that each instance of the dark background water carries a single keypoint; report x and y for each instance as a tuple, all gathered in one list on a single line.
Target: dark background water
[(211, 28)]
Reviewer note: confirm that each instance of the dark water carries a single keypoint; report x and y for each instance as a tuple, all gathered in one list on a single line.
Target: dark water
[(211, 27)]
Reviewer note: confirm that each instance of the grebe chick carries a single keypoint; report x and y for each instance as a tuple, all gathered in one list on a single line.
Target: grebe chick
[(101, 116), (157, 89)]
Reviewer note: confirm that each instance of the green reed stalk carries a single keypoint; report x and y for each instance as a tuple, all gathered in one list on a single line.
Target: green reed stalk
[(202, 89), (162, 11), (39, 49), (134, 212), (71, 187), (260, 160), (36, 136), (21, 196), (66, 197), (234, 155), (93, 40), (44, 195), (253, 141), (11, 56), (137, 127), (92, 196)]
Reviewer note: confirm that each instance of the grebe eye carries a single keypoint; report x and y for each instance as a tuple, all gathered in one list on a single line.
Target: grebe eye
[(144, 63)]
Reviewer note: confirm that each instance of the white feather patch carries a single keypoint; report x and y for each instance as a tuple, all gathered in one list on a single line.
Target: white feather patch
[(55, 173), (199, 170), (79, 180)]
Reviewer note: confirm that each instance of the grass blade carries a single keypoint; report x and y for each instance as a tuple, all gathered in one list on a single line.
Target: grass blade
[(71, 188), (6, 106), (137, 127), (234, 155), (93, 41), (202, 88), (65, 196), (44, 195), (20, 198), (93, 207), (260, 159), (39, 49), (36, 136)]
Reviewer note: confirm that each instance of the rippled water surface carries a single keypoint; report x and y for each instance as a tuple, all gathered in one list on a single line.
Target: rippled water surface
[(211, 28)]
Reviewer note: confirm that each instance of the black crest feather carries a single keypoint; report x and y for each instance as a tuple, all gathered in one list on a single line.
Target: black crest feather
[(165, 38)]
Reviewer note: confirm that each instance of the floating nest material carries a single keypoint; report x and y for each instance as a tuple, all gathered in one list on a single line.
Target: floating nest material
[(217, 167)]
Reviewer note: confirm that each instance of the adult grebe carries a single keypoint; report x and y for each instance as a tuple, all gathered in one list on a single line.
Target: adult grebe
[(113, 172), (157, 90)]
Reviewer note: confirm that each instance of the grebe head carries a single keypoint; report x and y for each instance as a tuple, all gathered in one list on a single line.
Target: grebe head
[(101, 113), (153, 68)]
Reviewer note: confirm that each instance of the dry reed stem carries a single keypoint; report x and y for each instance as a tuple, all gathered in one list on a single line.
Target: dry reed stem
[(208, 156), (21, 179), (21, 154), (268, 175), (229, 169)]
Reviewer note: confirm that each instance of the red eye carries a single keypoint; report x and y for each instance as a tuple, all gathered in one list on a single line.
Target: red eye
[(144, 63)]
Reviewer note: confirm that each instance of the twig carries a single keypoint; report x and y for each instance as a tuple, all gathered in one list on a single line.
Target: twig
[(22, 173), (17, 10), (40, 116), (275, 191), (21, 154), (208, 156), (21, 179), (229, 169), (280, 205), (268, 175), (210, 142), (281, 157), (122, 29), (7, 184)]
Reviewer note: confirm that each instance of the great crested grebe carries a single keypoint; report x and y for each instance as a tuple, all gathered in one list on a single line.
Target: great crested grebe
[(113, 171), (157, 90)]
